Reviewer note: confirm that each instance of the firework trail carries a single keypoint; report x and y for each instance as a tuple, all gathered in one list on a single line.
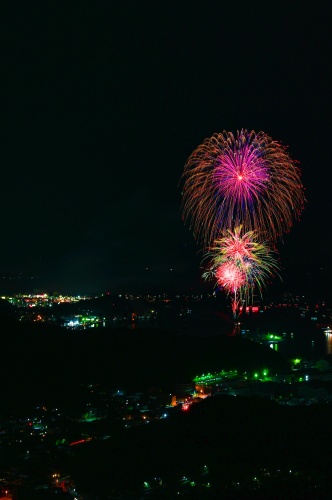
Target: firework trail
[(247, 179)]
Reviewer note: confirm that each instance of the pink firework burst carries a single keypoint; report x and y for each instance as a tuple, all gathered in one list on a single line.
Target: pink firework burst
[(246, 179), (236, 245), (240, 263), (240, 170), (230, 277)]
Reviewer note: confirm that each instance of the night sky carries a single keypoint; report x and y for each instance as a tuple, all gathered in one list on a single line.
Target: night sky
[(103, 102)]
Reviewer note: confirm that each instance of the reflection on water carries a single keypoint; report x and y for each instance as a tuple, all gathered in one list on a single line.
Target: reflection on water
[(312, 344), (328, 335)]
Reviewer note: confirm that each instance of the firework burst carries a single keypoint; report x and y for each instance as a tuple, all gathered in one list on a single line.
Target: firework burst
[(247, 179), (230, 277), (240, 264)]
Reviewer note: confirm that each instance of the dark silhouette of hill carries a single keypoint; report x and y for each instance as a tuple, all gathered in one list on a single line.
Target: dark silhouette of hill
[(235, 437), (7, 310), (104, 305), (45, 361)]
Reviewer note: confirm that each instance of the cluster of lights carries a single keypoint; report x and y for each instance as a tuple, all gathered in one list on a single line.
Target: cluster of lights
[(42, 299)]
